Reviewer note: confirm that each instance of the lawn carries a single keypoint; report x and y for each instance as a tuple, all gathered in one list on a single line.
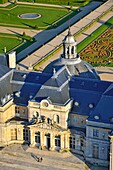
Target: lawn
[(49, 15), (14, 42), (9, 42)]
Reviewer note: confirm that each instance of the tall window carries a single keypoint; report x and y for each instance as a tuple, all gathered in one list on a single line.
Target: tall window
[(57, 141), (72, 142), (95, 132), (57, 118), (37, 137), (72, 50), (26, 134), (17, 111), (14, 134), (95, 151), (68, 50)]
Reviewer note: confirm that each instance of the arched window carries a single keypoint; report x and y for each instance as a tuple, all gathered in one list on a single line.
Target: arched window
[(26, 134), (63, 48), (57, 141), (72, 50), (37, 114), (37, 137), (68, 50), (57, 118)]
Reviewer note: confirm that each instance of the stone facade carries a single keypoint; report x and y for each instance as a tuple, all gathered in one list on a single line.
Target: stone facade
[(97, 143), (50, 123)]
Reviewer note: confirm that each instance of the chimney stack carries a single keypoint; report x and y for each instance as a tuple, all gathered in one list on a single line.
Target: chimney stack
[(12, 59)]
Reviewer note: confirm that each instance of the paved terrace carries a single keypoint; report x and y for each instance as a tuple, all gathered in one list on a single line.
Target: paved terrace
[(47, 35), (16, 157)]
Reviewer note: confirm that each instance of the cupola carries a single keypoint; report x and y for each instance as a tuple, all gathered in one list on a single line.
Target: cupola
[(69, 47)]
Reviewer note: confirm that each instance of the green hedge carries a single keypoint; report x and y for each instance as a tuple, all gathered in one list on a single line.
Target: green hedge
[(59, 2)]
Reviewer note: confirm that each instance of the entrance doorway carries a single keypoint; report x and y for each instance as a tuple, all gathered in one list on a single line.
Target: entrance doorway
[(47, 141)]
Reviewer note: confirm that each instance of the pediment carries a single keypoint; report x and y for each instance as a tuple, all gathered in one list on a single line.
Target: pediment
[(44, 125)]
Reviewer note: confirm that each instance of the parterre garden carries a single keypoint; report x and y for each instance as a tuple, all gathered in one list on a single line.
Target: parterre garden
[(100, 52), (9, 17), (49, 16)]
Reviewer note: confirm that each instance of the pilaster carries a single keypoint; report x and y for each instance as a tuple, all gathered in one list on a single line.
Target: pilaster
[(42, 135), (52, 138)]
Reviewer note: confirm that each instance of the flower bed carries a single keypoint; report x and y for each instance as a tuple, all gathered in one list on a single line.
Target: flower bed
[(100, 52)]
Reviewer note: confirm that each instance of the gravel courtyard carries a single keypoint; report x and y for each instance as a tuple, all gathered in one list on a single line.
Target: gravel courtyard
[(17, 157)]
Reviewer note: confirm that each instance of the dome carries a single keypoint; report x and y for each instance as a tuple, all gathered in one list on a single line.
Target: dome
[(71, 62), (75, 68), (69, 39)]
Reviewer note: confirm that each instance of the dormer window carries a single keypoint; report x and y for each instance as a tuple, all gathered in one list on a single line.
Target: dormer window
[(97, 117), (76, 104), (91, 105), (111, 119), (23, 76)]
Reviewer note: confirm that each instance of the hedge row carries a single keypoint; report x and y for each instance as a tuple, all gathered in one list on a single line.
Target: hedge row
[(59, 2)]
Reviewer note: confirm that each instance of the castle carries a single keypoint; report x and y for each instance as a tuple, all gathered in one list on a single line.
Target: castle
[(66, 107)]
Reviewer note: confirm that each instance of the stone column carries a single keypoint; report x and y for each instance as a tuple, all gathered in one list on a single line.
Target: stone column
[(32, 137), (67, 141), (42, 139), (70, 52), (62, 141), (52, 141), (111, 153)]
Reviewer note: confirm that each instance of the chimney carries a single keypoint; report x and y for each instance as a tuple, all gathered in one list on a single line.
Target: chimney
[(12, 59)]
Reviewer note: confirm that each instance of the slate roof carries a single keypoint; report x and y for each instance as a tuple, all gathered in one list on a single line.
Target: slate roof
[(3, 70), (61, 81), (3, 59), (82, 69), (86, 92), (104, 110), (60, 87), (5, 86), (25, 85)]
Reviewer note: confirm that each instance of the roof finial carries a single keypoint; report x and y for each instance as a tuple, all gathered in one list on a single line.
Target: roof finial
[(69, 31), (54, 71)]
